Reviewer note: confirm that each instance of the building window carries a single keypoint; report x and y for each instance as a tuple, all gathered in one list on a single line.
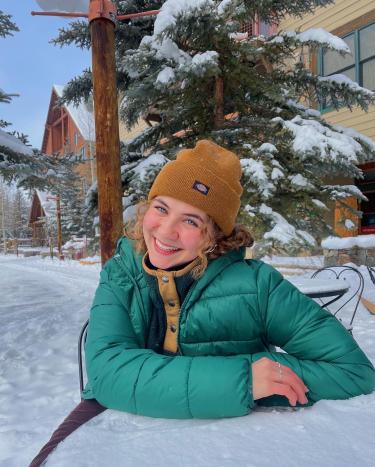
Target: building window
[(367, 186), (76, 139), (360, 66), (83, 153), (258, 27)]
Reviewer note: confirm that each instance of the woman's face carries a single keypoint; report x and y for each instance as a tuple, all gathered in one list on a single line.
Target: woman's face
[(172, 231)]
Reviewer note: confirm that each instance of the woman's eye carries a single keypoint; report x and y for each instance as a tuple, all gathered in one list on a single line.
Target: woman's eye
[(161, 209), (191, 222)]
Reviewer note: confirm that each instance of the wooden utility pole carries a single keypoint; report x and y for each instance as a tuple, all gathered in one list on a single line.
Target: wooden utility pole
[(58, 226), (102, 15), (59, 232)]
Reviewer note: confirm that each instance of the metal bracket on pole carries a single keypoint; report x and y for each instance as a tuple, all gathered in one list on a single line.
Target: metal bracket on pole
[(105, 9)]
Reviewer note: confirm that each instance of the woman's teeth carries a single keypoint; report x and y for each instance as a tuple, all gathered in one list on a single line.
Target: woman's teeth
[(163, 247)]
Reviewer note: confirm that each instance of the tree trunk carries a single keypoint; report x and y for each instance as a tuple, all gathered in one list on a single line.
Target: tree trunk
[(219, 102)]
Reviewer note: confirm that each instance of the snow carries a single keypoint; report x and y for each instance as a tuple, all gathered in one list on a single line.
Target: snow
[(337, 243), (256, 170), (154, 160), (13, 143), (311, 135), (48, 202), (346, 81), (82, 116), (318, 35), (282, 231), (208, 57), (172, 9), (319, 204), (309, 286), (223, 6), (166, 75), (267, 147), (300, 180), (44, 304), (166, 49)]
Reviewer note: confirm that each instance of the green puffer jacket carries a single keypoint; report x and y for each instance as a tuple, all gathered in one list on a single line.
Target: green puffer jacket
[(231, 317)]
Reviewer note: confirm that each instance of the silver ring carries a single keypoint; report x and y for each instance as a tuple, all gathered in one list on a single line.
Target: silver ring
[(280, 371)]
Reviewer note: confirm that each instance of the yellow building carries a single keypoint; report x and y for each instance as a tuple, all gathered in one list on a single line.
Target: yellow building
[(354, 22)]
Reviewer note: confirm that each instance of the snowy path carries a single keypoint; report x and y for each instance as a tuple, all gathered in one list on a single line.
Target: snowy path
[(43, 306)]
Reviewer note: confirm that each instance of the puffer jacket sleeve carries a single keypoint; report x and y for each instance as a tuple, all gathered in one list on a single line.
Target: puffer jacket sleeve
[(126, 377), (318, 347)]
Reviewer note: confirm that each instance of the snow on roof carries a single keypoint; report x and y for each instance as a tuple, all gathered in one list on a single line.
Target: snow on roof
[(337, 243), (47, 202), (14, 144), (82, 116)]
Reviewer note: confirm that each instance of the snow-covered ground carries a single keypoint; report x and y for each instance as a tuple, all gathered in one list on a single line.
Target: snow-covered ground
[(45, 302)]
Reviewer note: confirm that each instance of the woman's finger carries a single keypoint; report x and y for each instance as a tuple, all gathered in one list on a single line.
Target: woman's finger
[(287, 391), (284, 375)]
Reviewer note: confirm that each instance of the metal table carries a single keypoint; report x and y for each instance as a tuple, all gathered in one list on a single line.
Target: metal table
[(321, 288)]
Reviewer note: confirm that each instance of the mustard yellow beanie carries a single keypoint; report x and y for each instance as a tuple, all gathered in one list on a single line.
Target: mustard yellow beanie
[(208, 178)]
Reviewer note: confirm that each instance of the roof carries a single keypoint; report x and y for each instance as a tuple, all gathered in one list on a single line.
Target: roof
[(82, 116), (47, 201)]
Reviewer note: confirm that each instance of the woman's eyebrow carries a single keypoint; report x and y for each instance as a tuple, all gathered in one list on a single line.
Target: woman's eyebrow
[(195, 216)]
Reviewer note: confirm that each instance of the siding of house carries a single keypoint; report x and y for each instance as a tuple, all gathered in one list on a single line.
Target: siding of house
[(331, 17), (341, 18), (62, 136), (126, 135)]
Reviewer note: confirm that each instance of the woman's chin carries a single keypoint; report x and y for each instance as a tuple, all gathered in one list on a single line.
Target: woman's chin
[(163, 262)]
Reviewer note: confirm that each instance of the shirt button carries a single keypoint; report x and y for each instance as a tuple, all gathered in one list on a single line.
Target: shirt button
[(173, 327), (171, 303), (165, 279)]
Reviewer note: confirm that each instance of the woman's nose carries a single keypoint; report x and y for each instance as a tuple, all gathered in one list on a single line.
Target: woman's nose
[(169, 229)]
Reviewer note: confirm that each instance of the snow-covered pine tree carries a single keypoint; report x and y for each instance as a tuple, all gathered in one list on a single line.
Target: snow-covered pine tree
[(203, 76), (199, 76), (7, 28)]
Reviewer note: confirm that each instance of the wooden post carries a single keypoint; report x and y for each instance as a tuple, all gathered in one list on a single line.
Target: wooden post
[(59, 233), (102, 14)]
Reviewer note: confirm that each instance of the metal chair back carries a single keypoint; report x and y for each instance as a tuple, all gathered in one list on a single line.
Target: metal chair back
[(354, 293)]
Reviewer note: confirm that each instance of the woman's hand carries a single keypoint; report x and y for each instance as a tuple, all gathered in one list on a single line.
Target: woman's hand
[(271, 378)]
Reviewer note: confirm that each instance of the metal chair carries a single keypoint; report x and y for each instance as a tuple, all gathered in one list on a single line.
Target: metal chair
[(353, 294), (371, 272), (81, 343)]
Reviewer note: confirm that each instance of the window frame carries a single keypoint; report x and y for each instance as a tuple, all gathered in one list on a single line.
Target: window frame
[(358, 62)]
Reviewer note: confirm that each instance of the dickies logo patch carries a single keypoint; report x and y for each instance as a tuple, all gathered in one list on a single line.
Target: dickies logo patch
[(201, 187)]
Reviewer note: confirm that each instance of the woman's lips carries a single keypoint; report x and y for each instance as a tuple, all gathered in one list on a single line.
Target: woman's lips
[(166, 252)]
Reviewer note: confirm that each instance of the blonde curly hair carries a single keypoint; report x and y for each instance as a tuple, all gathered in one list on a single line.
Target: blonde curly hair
[(214, 245)]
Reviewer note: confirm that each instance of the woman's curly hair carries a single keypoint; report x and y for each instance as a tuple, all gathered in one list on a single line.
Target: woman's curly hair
[(215, 243)]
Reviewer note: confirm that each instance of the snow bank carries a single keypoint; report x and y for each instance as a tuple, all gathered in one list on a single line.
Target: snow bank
[(337, 243)]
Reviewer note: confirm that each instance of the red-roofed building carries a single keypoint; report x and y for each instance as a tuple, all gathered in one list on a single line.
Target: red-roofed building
[(70, 129)]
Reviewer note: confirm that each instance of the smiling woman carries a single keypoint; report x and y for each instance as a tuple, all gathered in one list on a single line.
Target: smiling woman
[(184, 326)]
